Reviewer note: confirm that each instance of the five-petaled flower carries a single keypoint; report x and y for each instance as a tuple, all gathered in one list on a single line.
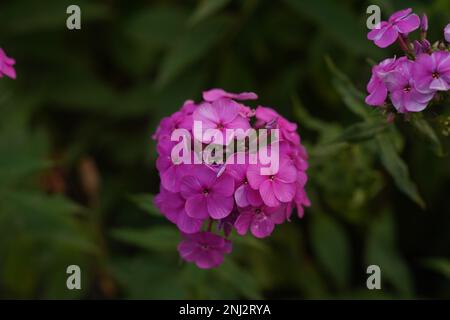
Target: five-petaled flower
[(387, 32)]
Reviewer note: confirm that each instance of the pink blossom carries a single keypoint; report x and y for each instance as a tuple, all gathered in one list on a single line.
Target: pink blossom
[(275, 188), (260, 220), (432, 72), (403, 93), (220, 114), (206, 249), (244, 195), (171, 173), (376, 87), (172, 205), (270, 119), (387, 32), (217, 94), (6, 65), (206, 194)]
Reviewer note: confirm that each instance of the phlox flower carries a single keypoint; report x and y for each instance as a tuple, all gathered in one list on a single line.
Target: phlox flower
[(217, 94), (432, 72), (6, 65), (220, 114), (260, 220), (376, 87), (172, 205), (206, 194), (233, 193), (276, 187), (403, 93), (387, 32), (206, 249)]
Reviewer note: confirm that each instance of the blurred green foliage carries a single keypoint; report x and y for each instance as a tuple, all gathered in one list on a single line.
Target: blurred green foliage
[(77, 163)]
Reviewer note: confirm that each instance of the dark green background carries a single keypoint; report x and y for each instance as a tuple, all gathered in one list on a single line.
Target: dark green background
[(77, 165)]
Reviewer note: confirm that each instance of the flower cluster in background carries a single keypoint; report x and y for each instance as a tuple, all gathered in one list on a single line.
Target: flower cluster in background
[(208, 201), (413, 80), (6, 65)]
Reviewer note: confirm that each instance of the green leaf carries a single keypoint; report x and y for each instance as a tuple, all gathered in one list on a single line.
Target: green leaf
[(23, 153), (305, 119), (440, 265), (190, 48), (361, 131), (156, 27), (382, 251), (336, 20), (241, 279), (250, 242), (207, 8), (428, 133), (332, 248), (397, 168), (160, 238), (145, 277), (146, 203), (352, 97)]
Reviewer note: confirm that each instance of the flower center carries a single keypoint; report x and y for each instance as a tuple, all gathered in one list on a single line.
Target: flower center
[(407, 89), (220, 126), (272, 177), (435, 75), (258, 211), (205, 192)]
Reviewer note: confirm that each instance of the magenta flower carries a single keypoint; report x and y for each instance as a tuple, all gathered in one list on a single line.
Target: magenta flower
[(403, 93), (432, 72), (206, 249), (233, 195), (6, 65), (301, 199), (276, 188), (401, 22), (244, 195), (206, 194), (447, 33), (220, 114), (260, 220), (376, 87), (172, 205), (270, 119), (179, 120), (171, 173), (217, 94)]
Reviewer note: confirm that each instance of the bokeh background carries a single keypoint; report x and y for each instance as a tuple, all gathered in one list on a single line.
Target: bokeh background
[(77, 164)]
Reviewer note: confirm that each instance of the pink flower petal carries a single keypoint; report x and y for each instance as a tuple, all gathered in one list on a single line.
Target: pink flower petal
[(284, 192), (386, 37), (196, 207), (267, 194), (219, 206), (408, 24), (187, 224), (242, 223)]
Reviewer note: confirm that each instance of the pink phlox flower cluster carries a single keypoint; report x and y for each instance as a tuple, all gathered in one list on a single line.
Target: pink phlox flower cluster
[(413, 80), (207, 201)]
